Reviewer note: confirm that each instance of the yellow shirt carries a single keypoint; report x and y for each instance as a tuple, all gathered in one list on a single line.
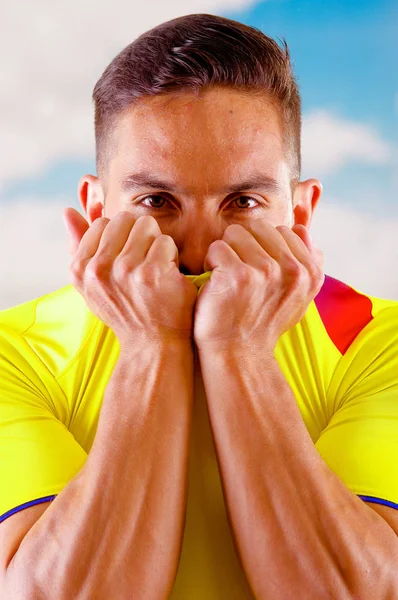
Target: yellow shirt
[(341, 361)]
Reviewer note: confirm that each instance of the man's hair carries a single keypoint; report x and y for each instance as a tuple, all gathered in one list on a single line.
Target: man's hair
[(194, 53)]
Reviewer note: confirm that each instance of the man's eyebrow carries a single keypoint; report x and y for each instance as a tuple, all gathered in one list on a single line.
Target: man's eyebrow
[(144, 179)]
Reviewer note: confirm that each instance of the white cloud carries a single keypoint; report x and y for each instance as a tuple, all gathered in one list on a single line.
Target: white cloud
[(55, 54), (34, 256), (330, 142), (360, 249)]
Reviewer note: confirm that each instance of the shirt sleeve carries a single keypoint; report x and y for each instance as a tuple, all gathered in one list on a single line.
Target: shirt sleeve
[(360, 442), (38, 454)]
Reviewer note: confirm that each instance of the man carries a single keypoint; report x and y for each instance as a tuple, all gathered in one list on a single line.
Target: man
[(202, 413)]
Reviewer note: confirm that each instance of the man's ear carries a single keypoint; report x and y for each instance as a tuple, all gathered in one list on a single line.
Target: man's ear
[(306, 197), (91, 197)]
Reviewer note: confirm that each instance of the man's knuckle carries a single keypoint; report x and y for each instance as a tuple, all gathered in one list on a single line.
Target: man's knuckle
[(315, 272), (244, 274), (97, 268), (292, 267), (147, 272), (122, 267), (317, 277), (272, 268), (75, 270), (148, 269)]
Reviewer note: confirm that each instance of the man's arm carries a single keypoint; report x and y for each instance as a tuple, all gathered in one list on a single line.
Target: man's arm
[(116, 529), (299, 531)]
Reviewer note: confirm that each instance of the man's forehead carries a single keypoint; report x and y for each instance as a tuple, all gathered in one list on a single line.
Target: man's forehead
[(179, 148), (229, 118), (175, 136), (185, 150)]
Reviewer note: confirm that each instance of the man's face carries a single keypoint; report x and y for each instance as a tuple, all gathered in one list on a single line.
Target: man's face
[(206, 150)]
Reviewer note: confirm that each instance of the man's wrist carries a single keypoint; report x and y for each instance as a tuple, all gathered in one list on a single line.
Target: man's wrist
[(234, 348), (151, 344)]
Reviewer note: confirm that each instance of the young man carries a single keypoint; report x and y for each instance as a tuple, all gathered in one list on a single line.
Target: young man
[(202, 412)]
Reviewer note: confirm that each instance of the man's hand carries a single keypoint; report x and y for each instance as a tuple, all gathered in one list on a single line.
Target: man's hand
[(127, 272), (263, 280)]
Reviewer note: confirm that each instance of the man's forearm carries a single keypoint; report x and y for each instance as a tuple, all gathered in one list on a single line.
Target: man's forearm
[(115, 531), (299, 531)]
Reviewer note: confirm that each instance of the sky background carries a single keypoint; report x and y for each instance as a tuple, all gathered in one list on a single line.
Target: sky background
[(344, 54)]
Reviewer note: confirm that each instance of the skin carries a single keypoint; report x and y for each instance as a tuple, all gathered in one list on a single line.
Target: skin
[(201, 145)]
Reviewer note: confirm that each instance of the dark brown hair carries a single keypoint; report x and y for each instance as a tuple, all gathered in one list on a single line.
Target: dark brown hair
[(192, 53)]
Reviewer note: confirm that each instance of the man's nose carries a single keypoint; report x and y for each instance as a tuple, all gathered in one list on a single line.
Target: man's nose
[(193, 248), (191, 265), (185, 271)]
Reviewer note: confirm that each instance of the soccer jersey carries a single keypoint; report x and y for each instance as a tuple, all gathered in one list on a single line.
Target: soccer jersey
[(340, 360)]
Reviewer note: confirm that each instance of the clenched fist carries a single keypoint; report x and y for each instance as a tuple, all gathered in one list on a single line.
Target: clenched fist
[(128, 274)]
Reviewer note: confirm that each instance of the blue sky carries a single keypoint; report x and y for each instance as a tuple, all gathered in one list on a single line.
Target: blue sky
[(345, 53)]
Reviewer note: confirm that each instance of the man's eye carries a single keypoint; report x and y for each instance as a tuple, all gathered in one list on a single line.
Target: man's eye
[(247, 199), (152, 196)]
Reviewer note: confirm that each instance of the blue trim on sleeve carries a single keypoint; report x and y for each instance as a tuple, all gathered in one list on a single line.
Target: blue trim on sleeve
[(26, 505), (378, 501)]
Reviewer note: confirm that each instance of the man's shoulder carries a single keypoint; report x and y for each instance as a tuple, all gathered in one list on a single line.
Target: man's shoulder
[(347, 312), (337, 294), (52, 327), (22, 316)]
